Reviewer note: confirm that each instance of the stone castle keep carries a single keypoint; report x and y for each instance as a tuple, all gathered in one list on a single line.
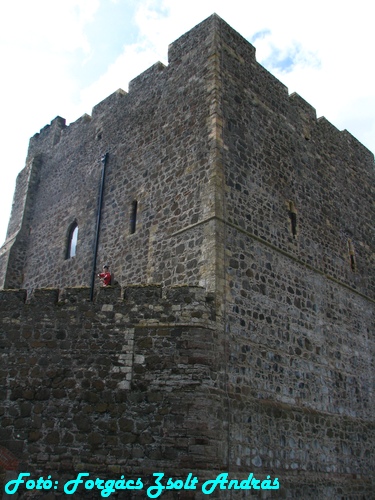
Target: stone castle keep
[(239, 336)]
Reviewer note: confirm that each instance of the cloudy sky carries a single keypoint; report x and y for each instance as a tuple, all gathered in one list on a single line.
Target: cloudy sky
[(61, 57)]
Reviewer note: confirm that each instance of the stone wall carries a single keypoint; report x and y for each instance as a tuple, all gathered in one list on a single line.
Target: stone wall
[(299, 284), (302, 365), (13, 252), (130, 383), (160, 154), (276, 152), (145, 380)]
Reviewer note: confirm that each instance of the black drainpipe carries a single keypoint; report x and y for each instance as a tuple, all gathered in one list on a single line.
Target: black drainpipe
[(98, 219)]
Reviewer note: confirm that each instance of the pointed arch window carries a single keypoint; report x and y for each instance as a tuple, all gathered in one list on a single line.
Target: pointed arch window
[(72, 241)]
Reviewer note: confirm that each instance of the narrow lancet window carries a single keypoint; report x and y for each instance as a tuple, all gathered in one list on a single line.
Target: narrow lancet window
[(353, 264), (72, 241), (133, 217), (293, 218)]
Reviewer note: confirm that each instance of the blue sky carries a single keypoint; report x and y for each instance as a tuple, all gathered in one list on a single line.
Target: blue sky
[(62, 57)]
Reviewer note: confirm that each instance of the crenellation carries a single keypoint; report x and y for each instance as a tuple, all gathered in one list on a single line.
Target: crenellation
[(43, 296), (308, 112), (326, 127), (56, 123), (108, 295), (147, 78), (85, 118), (306, 119), (49, 135), (72, 295), (13, 296), (238, 47), (76, 128), (199, 39), (358, 150), (136, 293), (107, 104)]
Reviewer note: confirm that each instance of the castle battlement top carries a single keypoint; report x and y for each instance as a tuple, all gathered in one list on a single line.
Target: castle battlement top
[(160, 305), (209, 37)]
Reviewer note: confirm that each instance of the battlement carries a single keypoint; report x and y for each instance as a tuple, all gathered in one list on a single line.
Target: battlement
[(57, 123), (210, 37), (49, 135), (150, 75), (108, 103), (139, 303), (149, 346)]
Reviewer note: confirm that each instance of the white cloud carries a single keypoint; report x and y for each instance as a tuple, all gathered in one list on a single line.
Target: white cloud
[(47, 25), (135, 59)]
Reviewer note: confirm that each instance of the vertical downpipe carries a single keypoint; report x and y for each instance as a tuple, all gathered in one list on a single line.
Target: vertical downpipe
[(98, 219)]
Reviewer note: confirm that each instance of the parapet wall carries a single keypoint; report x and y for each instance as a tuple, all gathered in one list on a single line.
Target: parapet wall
[(145, 379), (127, 382)]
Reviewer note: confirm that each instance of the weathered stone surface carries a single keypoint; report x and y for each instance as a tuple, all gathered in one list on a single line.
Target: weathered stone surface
[(70, 403)]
